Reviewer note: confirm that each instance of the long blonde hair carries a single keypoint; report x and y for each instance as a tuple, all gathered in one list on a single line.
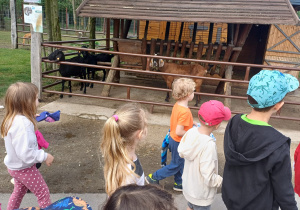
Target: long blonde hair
[(118, 133), (20, 99)]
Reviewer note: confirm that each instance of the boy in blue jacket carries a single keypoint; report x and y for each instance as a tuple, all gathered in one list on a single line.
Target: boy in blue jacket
[(257, 172)]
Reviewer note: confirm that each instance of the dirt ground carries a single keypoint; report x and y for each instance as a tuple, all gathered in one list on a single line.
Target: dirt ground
[(74, 141)]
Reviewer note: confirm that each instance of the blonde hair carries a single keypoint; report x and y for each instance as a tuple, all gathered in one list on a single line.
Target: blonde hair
[(119, 131), (20, 99), (182, 87)]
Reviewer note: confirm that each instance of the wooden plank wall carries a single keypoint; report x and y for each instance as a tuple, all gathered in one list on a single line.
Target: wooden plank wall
[(157, 30), (285, 57)]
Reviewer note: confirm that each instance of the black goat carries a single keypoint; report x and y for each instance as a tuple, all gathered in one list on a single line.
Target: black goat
[(69, 70), (93, 59)]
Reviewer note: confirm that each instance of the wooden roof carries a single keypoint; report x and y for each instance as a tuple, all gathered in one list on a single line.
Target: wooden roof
[(215, 11)]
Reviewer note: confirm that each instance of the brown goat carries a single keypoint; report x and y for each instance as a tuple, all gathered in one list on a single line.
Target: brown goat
[(187, 69)]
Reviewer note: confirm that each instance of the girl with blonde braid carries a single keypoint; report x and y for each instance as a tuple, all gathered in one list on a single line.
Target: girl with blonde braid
[(121, 134)]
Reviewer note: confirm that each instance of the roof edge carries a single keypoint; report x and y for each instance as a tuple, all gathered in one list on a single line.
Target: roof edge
[(80, 7), (297, 20)]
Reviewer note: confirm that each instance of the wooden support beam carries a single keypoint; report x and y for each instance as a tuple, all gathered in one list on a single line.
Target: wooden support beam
[(146, 29), (217, 56), (181, 30), (167, 31), (244, 32), (36, 60), (175, 51), (13, 22), (138, 29), (227, 86), (161, 47), (152, 46), (236, 33), (107, 33), (144, 51), (195, 32), (126, 29), (169, 48), (111, 76), (226, 58), (116, 35), (230, 29), (208, 53), (116, 32), (122, 28), (200, 50), (183, 51), (211, 30), (191, 50)]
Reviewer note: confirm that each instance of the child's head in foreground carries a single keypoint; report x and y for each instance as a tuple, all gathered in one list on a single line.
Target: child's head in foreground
[(212, 113), (182, 88), (21, 98), (268, 88), (135, 197)]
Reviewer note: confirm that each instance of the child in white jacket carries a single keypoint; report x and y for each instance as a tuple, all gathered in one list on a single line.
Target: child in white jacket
[(200, 178)]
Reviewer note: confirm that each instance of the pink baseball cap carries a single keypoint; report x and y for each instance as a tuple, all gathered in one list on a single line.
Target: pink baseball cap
[(213, 112)]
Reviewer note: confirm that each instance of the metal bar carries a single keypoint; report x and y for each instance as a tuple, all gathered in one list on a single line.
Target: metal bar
[(62, 42), (128, 93), (173, 58), (247, 73), (51, 71), (51, 85), (151, 88), (146, 72)]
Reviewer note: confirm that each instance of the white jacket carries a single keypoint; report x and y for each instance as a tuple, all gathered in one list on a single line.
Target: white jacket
[(21, 145), (200, 178)]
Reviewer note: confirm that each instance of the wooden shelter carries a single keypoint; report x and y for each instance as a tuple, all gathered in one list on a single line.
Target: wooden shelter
[(238, 15)]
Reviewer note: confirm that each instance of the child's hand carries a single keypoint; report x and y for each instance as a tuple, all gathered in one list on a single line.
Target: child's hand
[(195, 123), (49, 160)]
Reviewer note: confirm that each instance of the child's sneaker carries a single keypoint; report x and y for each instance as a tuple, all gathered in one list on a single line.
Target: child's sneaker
[(177, 187), (12, 181), (150, 180)]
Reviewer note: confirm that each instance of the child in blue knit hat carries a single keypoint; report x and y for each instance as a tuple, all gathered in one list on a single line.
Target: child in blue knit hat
[(257, 173)]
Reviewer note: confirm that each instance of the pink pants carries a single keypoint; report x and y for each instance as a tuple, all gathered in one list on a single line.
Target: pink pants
[(29, 178)]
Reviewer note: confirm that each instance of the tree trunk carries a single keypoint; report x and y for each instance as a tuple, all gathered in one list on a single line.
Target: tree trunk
[(55, 21), (74, 15), (92, 24), (2, 23)]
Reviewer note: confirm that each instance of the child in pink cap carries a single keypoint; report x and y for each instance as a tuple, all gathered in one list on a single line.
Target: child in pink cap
[(200, 178)]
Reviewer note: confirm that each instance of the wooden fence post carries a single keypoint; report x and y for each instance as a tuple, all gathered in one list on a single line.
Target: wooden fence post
[(36, 60), (14, 34)]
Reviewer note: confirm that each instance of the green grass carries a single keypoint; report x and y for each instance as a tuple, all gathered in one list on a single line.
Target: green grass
[(14, 66)]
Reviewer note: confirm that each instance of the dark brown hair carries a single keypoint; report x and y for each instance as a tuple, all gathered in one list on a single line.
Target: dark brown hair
[(253, 101), (134, 197)]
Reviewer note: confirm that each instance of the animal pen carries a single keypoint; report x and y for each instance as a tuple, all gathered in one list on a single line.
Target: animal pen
[(218, 50)]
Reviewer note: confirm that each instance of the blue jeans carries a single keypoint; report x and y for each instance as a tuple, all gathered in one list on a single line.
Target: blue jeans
[(174, 168), (195, 207)]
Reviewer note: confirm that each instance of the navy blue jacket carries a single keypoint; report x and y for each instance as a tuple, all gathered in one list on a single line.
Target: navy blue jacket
[(257, 172)]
